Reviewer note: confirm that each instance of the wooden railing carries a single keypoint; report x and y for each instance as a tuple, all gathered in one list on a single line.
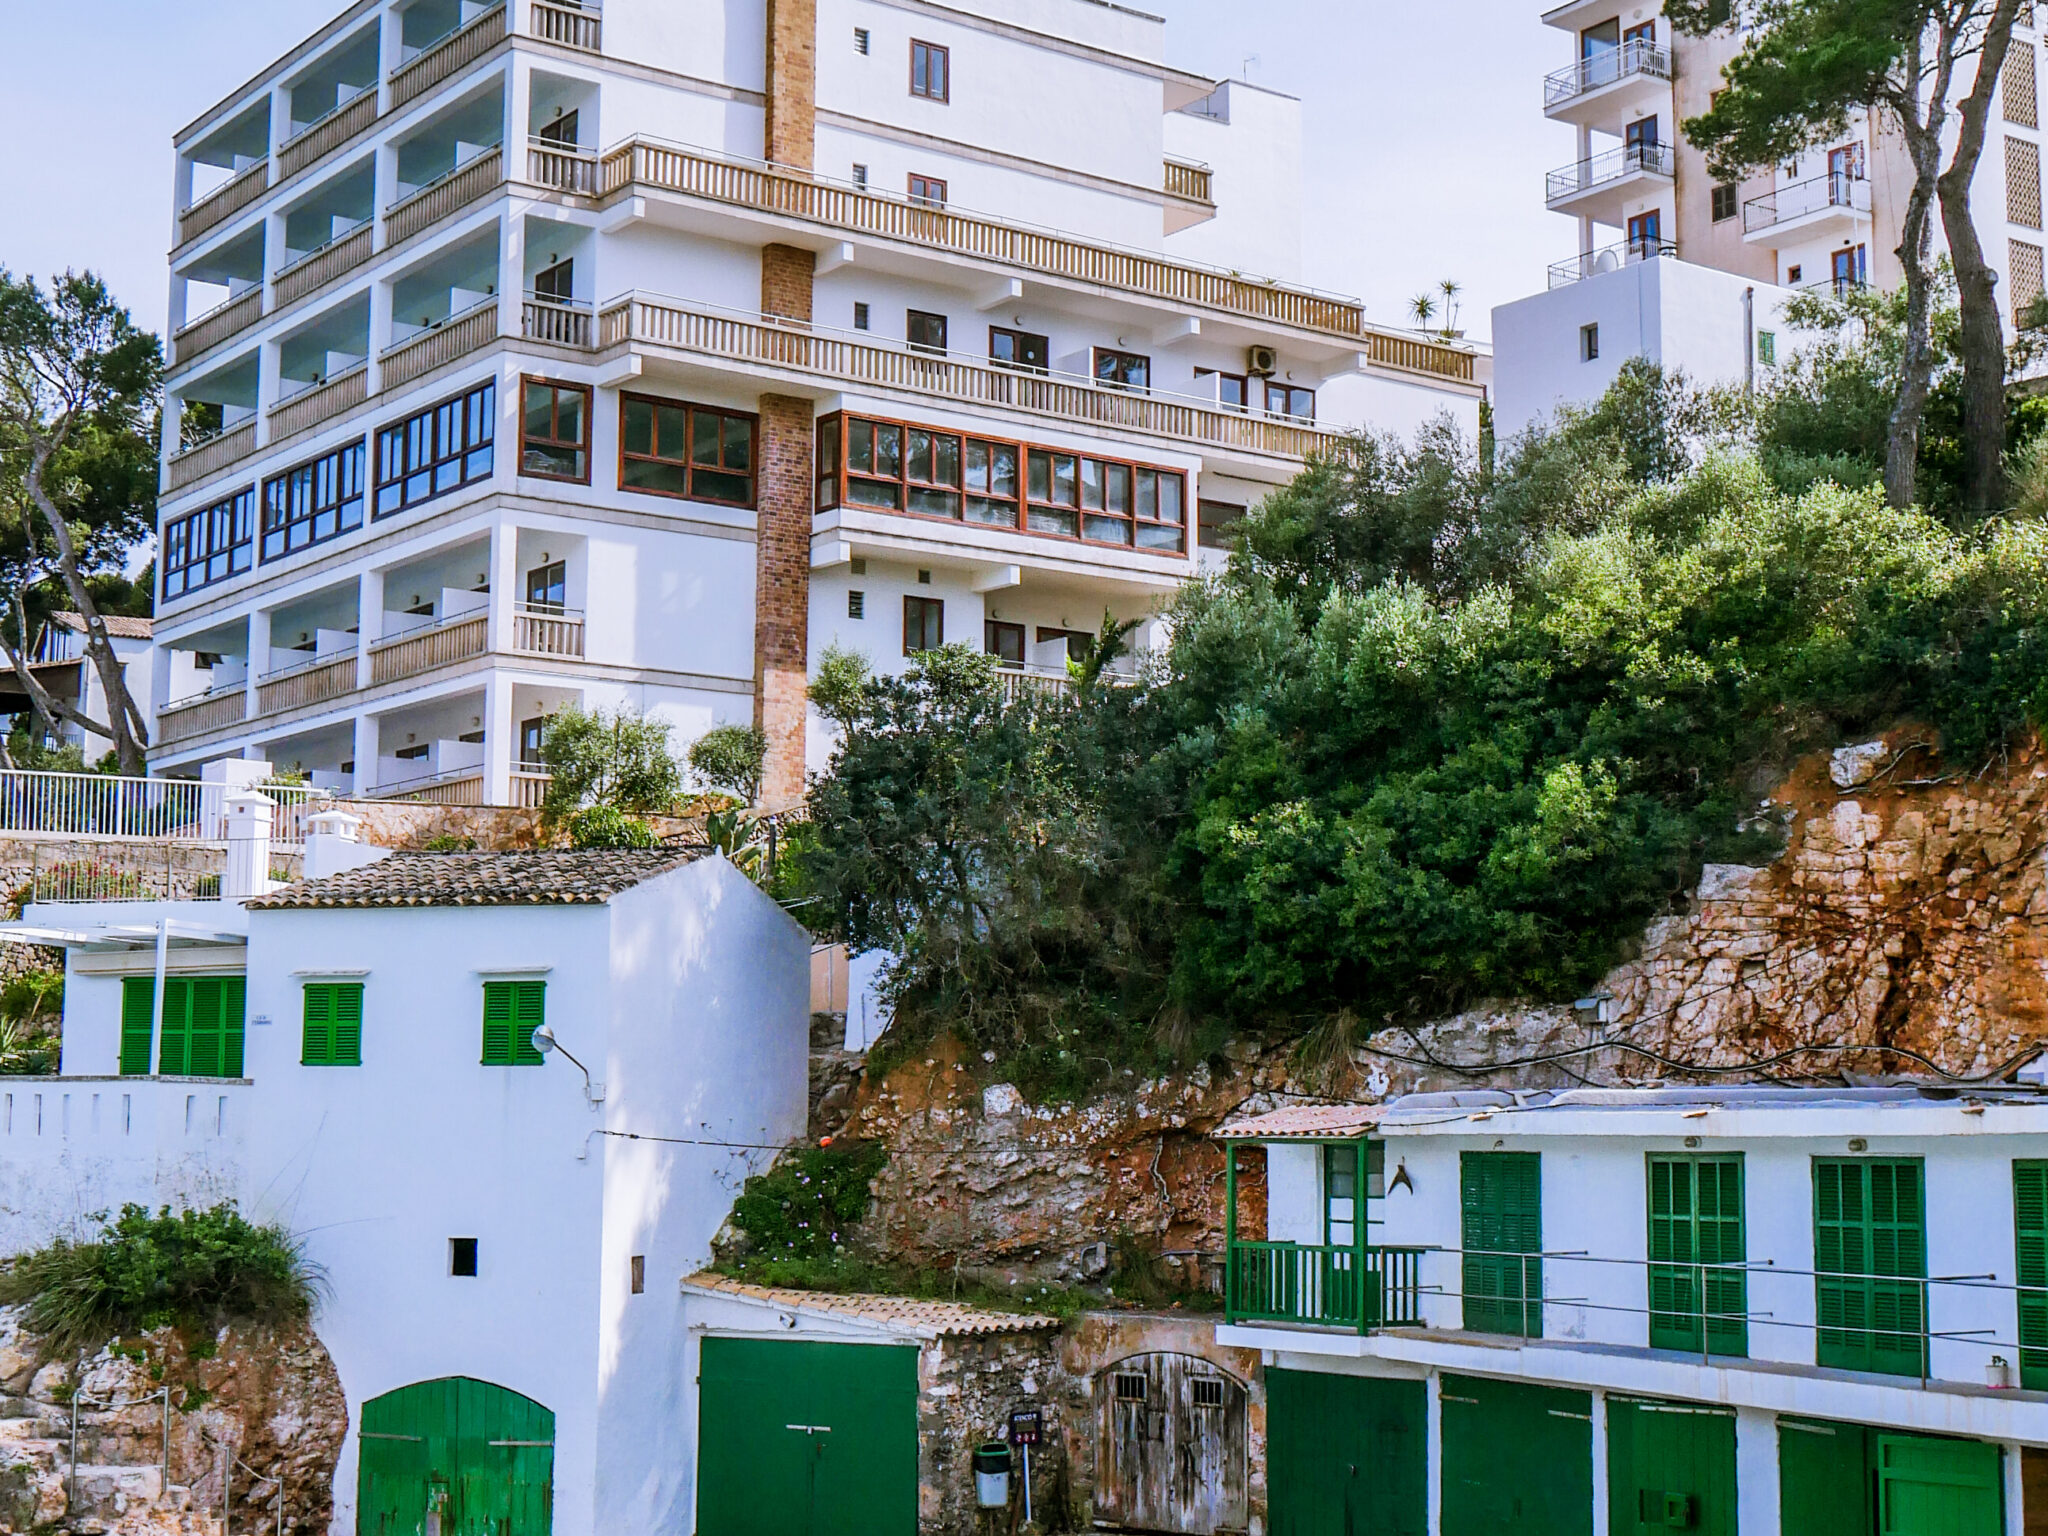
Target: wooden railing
[(212, 713), (424, 650), (318, 268), (562, 168), (310, 407), (539, 632), (197, 462), (224, 200), (461, 47), (452, 339), (216, 326), (573, 26), (1325, 1285), (437, 199), (566, 325), (1190, 181), (1069, 398), (315, 140), (312, 684)]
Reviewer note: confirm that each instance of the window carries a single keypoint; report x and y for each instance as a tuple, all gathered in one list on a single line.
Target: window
[(1639, 139), (1644, 35), (931, 470), (1725, 202), (1206, 1391), (557, 282), (1870, 1258), (313, 502), (860, 176), (1501, 1197), (210, 545), (1844, 164), (1003, 641), (202, 1026), (462, 1257), (441, 449), (2030, 1229), (1847, 270), (554, 431), (1130, 1387), (1217, 520), (561, 131), (513, 1010), (1767, 348), (670, 448), (639, 1267), (927, 191), (860, 316), (1645, 235), (1696, 1223), (532, 733), (924, 624), (856, 605), (1792, 276), (1019, 349), (334, 1024), (925, 331), (1340, 1195), (860, 40), (1589, 343), (1123, 370), (930, 71), (1075, 640), (547, 586), (1233, 390), (1290, 400)]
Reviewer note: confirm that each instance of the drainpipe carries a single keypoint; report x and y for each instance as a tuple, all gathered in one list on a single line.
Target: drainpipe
[(1748, 343)]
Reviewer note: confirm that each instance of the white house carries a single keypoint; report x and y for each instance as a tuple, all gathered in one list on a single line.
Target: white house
[(355, 1057), (1743, 1310), (60, 665)]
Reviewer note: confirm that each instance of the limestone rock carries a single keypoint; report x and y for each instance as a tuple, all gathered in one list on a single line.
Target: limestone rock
[(1853, 766)]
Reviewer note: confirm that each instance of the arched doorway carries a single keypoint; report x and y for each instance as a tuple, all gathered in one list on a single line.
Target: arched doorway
[(455, 1457), (1171, 1446)]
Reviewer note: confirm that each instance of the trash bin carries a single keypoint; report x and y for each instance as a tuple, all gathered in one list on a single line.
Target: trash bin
[(992, 1475)]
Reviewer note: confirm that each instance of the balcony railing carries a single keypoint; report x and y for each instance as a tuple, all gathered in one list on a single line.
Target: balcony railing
[(424, 650), (1608, 258), (457, 786), (564, 322), (562, 167), (465, 45), (195, 717), (93, 805), (312, 682), (454, 337), (217, 452), (322, 402), (1584, 176), (229, 198), (1325, 1285), (649, 321), (216, 326), (1185, 178), (453, 189), (1840, 190), (568, 23), (323, 135), (317, 268), (1637, 56), (539, 630), (1019, 682), (530, 786)]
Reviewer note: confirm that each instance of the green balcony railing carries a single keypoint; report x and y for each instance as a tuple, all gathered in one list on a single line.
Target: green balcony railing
[(1325, 1285)]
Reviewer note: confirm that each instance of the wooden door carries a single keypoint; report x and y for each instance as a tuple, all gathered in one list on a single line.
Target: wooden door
[(1171, 1447)]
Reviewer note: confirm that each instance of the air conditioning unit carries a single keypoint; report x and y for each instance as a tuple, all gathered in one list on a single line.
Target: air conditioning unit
[(1262, 361)]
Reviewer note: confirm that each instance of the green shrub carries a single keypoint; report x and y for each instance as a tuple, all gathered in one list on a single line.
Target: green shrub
[(729, 758), (608, 757), (800, 1209), (449, 842), (195, 1269), (600, 826)]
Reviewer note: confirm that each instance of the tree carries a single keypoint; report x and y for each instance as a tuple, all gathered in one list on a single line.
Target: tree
[(729, 758), (613, 758), (1806, 66), (78, 434)]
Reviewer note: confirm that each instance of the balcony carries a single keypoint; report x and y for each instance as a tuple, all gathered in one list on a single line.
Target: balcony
[(216, 326), (560, 322), (571, 24), (1825, 209), (1025, 682), (455, 337), (195, 717), (317, 139), (426, 650), (312, 682), (322, 402), (668, 325), (1323, 1285), (216, 453), (230, 198), (1606, 84), (453, 189), (541, 630), (317, 268), (1608, 258), (1189, 179), (562, 167), (436, 62), (1596, 187), (458, 786)]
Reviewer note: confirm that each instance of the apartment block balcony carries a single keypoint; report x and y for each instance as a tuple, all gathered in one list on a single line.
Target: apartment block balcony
[(560, 322), (1597, 187), (1824, 209), (230, 198), (1603, 87), (1359, 1287), (442, 58), (541, 629), (449, 192), (457, 336), (1609, 258), (573, 25), (319, 138), (212, 711), (459, 638), (210, 455), (1189, 179), (320, 402), (319, 267), (562, 167), (216, 326), (310, 682)]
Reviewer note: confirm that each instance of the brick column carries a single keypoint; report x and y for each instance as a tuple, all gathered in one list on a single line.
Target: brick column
[(782, 594), (790, 131)]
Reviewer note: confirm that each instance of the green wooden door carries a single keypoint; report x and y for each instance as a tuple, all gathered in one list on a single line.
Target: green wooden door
[(1502, 1198), (2030, 1242), (1516, 1459), (1870, 1251), (1670, 1467), (1346, 1455), (1928, 1487), (1695, 1225), (480, 1456), (1827, 1481), (803, 1439)]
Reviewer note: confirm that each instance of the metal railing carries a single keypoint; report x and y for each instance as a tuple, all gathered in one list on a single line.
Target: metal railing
[(1784, 204), (96, 805), (1637, 56), (1324, 1285), (1608, 258), (1598, 170), (443, 57)]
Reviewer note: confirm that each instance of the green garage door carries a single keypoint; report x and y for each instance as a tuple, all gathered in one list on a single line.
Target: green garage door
[(479, 1455), (1850, 1480), (1346, 1455), (803, 1439), (1516, 1459), (1670, 1466), (1827, 1485)]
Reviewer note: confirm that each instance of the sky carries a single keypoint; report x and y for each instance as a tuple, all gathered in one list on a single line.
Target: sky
[(1424, 139)]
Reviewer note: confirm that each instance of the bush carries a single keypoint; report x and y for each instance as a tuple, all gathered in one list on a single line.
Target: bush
[(197, 1270), (449, 842), (729, 758), (608, 757), (800, 1209), (599, 826)]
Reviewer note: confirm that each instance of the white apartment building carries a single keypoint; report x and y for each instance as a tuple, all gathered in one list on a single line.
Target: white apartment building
[(1741, 1311), (1691, 272), (533, 353)]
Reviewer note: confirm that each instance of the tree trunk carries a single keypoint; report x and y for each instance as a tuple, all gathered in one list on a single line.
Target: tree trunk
[(1916, 362)]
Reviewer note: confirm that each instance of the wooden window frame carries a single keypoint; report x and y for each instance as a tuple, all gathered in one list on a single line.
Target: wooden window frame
[(310, 495), (1291, 389), (1096, 356), (341, 1044), (552, 132), (921, 604), (937, 190), (1243, 381), (236, 516), (1724, 194), (479, 400), (943, 56), (517, 1050), (1014, 336), (911, 319), (528, 383), (990, 628), (690, 409), (834, 473)]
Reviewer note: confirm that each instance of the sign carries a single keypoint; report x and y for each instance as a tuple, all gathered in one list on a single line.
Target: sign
[(1026, 1424)]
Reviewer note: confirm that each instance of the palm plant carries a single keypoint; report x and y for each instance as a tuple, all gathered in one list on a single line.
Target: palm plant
[(1423, 308), (1450, 290)]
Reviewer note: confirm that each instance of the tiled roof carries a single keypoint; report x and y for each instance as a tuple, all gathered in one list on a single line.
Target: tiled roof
[(1306, 1122), (120, 626), (930, 1319), (538, 878)]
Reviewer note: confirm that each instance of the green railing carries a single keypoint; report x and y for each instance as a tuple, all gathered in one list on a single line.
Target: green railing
[(1325, 1285)]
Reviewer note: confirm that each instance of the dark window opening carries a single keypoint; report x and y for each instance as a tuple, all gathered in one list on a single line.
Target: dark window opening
[(924, 624), (1004, 641), (1019, 349), (860, 40), (1217, 520), (462, 1256), (1076, 639), (639, 1274), (554, 431), (856, 605), (925, 331), (1290, 400), (860, 316), (557, 282), (547, 586), (1233, 390), (1589, 343), (561, 131), (927, 191), (531, 734), (1725, 202), (1122, 370), (1207, 1391), (1130, 1388)]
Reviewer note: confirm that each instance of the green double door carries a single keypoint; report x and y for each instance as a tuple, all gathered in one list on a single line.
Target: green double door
[(1346, 1455), (1518, 1460), (802, 1439), (1851, 1480), (456, 1456)]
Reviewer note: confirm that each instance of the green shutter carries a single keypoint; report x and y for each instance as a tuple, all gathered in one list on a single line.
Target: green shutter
[(513, 1010), (1870, 1252), (1696, 1222), (1502, 1197), (348, 1024), (173, 1058), (334, 1024), (138, 1021), (2030, 1231), (316, 1047)]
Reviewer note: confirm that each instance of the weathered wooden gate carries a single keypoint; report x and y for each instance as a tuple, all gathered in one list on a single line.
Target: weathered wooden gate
[(1171, 1447)]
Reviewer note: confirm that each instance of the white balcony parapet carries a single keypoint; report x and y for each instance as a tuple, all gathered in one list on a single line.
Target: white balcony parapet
[(1637, 56), (1598, 170)]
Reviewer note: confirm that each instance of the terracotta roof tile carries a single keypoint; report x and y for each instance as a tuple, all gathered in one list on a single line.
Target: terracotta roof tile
[(1306, 1122), (120, 626), (932, 1319), (539, 878)]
